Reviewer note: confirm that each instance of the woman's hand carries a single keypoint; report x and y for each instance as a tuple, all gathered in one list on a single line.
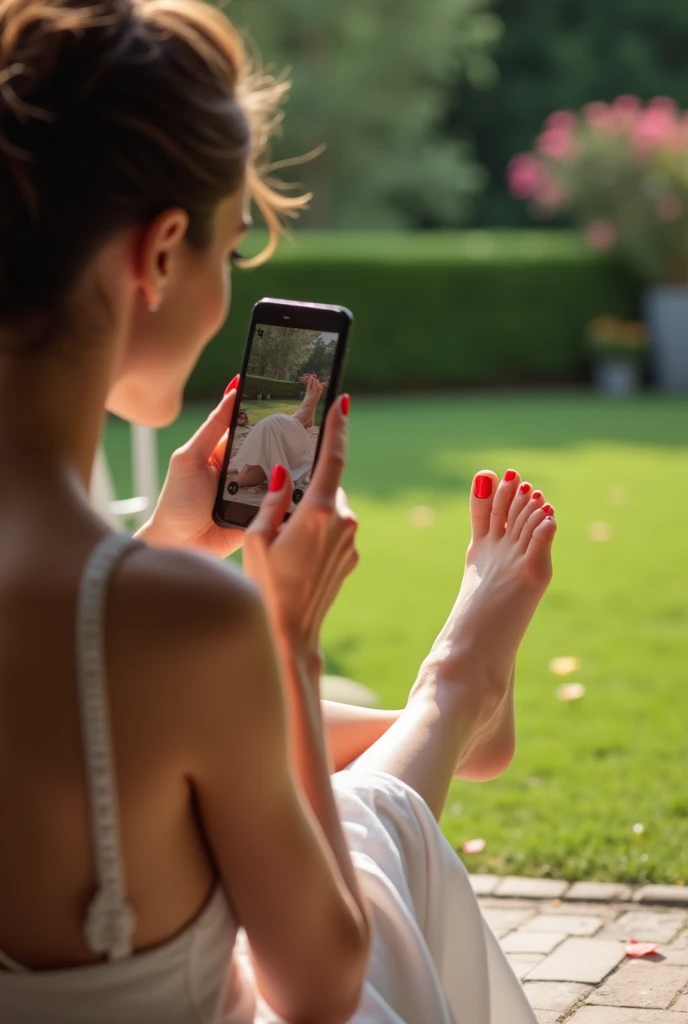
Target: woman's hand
[(300, 566), (183, 515)]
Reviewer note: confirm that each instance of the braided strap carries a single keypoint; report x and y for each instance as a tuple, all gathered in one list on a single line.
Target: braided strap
[(110, 921)]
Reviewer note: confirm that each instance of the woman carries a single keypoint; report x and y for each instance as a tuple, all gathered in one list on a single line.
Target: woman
[(164, 766), (280, 439)]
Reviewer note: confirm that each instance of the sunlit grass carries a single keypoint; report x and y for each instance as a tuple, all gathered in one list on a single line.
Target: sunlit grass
[(584, 772)]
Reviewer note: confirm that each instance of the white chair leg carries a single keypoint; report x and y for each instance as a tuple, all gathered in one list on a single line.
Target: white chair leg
[(144, 457), (102, 490)]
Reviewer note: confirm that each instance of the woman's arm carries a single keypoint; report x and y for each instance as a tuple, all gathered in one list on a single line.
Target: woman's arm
[(281, 851)]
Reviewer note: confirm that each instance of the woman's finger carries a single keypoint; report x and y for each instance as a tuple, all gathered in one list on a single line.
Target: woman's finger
[(332, 459), (217, 459), (200, 448), (274, 507)]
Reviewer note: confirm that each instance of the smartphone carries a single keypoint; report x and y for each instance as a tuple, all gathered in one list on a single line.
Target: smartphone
[(290, 376)]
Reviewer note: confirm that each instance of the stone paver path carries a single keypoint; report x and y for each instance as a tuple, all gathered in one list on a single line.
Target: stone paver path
[(567, 944)]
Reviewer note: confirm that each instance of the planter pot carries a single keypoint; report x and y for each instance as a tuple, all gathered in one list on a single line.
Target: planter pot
[(617, 378), (666, 311)]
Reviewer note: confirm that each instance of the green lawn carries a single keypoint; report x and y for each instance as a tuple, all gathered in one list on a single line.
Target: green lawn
[(584, 772), (260, 410)]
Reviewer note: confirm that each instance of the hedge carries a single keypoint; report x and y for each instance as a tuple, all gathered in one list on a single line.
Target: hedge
[(438, 309), (255, 386)]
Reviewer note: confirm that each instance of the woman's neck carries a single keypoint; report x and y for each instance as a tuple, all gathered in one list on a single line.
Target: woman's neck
[(51, 417)]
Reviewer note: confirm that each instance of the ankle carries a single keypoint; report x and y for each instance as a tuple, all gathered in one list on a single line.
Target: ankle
[(463, 679)]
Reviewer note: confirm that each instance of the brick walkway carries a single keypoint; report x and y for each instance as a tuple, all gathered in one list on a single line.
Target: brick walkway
[(566, 943)]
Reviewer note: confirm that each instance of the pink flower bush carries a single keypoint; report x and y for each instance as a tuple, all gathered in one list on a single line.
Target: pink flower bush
[(601, 235), (562, 120), (657, 127), (669, 208), (524, 175), (621, 168), (557, 143)]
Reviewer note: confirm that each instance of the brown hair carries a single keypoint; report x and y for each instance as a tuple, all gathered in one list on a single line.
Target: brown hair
[(112, 111)]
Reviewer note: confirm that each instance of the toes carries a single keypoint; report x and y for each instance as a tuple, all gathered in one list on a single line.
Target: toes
[(540, 548), (534, 501), (482, 496), (504, 497), (537, 517), (518, 504)]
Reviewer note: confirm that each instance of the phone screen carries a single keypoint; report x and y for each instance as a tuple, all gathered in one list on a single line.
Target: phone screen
[(283, 402)]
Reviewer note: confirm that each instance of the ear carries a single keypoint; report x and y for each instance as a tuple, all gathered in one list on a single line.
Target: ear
[(158, 249)]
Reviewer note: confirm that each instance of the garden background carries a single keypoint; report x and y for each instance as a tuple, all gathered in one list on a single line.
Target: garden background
[(470, 351)]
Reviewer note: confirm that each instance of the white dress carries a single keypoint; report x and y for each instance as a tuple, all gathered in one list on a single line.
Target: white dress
[(276, 440), (434, 958)]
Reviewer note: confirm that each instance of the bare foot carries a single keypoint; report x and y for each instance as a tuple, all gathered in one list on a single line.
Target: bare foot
[(508, 570), (306, 413)]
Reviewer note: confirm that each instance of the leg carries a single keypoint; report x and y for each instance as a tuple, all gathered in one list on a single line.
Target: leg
[(352, 730), (306, 414), (460, 710), (251, 476)]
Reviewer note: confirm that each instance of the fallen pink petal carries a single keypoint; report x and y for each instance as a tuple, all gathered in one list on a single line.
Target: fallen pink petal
[(636, 949), (474, 846), (571, 691), (421, 516), (617, 494), (600, 532), (564, 666)]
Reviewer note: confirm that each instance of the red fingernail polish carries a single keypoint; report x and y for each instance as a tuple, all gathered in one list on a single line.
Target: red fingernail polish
[(346, 404), (233, 384), (547, 509), (279, 475), (483, 486), (524, 488), (537, 495), (510, 475)]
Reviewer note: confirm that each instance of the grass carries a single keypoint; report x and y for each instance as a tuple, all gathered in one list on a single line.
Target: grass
[(258, 411), (584, 772)]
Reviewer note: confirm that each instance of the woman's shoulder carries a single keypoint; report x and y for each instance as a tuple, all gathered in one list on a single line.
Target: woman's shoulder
[(174, 617), (184, 582)]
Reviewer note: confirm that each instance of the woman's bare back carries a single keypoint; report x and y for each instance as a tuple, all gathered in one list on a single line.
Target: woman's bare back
[(47, 868)]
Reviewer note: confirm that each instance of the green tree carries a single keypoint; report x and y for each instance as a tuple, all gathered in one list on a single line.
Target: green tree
[(280, 354), (320, 359), (370, 81), (562, 54)]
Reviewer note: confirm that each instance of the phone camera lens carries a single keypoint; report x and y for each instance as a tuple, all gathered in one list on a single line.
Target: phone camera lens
[(233, 487), (297, 495)]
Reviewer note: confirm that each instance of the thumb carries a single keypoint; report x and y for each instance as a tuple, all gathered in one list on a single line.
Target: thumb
[(199, 449), (274, 507)]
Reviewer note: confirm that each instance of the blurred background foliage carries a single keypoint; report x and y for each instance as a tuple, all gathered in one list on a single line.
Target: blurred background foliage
[(561, 54), (422, 105), (375, 82)]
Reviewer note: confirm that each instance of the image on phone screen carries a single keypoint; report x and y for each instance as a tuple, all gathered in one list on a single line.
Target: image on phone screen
[(281, 411)]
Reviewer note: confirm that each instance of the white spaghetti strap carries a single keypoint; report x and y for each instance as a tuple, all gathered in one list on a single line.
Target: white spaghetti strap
[(110, 921)]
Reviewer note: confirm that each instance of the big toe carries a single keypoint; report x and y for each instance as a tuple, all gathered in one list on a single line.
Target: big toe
[(482, 496)]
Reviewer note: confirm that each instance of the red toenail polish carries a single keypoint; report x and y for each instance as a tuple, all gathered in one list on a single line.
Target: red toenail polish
[(524, 488), (537, 495), (547, 509), (483, 486), (510, 475)]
